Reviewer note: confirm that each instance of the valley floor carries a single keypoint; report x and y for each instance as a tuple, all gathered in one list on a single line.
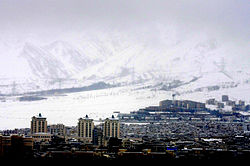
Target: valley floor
[(67, 109)]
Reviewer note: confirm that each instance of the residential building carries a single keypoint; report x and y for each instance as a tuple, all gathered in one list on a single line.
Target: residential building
[(211, 101), (41, 137), (38, 124), (220, 105), (241, 103), (15, 146), (58, 130), (85, 129), (225, 98), (230, 103), (111, 128), (97, 136)]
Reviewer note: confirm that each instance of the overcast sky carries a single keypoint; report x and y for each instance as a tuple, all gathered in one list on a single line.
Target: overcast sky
[(52, 18)]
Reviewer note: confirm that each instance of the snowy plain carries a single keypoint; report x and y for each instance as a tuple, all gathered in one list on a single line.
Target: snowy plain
[(67, 109)]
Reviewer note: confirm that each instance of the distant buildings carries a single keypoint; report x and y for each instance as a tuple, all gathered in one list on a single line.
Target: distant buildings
[(111, 128), (97, 138), (39, 131), (41, 137), (241, 103), (227, 103), (230, 103), (85, 129), (174, 129), (220, 105), (211, 101), (224, 98), (22, 131), (182, 104), (169, 110), (38, 124), (98, 135), (57, 129)]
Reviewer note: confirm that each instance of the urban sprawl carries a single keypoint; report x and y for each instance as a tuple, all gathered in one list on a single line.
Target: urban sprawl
[(174, 130)]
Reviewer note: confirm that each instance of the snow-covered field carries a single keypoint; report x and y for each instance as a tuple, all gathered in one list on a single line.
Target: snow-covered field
[(68, 109), (99, 104)]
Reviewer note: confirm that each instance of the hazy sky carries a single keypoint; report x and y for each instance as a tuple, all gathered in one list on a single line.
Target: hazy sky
[(53, 18)]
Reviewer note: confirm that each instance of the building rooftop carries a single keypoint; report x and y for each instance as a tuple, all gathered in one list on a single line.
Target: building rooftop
[(85, 118), (39, 116), (113, 118)]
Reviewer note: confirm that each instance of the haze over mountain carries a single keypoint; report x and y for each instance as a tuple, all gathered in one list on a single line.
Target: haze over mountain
[(168, 44)]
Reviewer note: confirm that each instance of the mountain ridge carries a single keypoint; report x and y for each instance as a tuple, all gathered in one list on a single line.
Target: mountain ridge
[(119, 59)]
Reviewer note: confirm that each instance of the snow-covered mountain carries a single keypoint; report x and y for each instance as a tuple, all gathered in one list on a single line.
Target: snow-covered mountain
[(168, 60), (148, 70)]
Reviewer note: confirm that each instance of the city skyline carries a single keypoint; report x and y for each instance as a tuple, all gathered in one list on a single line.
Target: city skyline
[(176, 129), (124, 79)]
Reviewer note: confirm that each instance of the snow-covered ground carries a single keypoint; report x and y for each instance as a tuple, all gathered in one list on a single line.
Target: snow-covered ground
[(68, 109), (99, 104)]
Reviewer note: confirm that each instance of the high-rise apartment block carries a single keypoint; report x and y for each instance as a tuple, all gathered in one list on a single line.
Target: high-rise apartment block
[(97, 136), (85, 129), (38, 124), (111, 128)]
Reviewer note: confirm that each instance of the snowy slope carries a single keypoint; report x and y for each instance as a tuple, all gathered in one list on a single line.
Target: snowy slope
[(182, 61), (114, 57)]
